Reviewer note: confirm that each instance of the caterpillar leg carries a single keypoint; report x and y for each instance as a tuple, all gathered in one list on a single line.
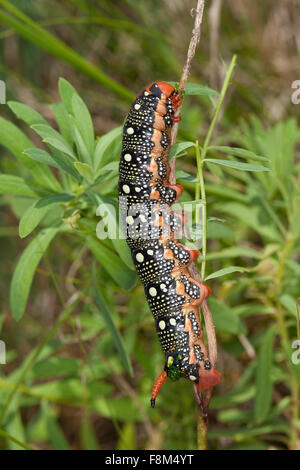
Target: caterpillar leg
[(157, 385)]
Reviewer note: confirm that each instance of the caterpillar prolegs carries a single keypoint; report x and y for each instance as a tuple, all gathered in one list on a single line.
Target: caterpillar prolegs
[(145, 199)]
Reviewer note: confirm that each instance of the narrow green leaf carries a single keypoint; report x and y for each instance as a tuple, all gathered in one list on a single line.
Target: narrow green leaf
[(253, 216), (263, 395), (16, 142), (56, 366), (60, 162), (39, 36), (223, 272), (85, 170), (51, 136), (32, 217), (84, 121), (57, 438), (11, 184), (54, 198), (112, 263), (108, 148), (243, 153), (184, 176), (289, 303), (225, 319), (66, 91), (87, 435), (237, 165), (63, 120), (25, 269), (26, 113), (235, 252), (82, 150), (196, 89), (119, 244), (177, 149), (116, 337)]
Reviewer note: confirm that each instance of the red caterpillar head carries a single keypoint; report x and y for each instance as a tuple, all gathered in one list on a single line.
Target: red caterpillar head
[(164, 91)]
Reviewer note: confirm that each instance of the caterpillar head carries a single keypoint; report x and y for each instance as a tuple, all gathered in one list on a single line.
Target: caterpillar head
[(165, 91)]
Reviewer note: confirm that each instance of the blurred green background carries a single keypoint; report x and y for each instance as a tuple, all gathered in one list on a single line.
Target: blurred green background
[(73, 388)]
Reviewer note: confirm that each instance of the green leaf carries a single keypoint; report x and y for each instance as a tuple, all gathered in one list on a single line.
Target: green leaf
[(82, 150), (108, 148), (196, 89), (84, 121), (51, 136), (54, 198), (119, 244), (87, 435), (116, 337), (32, 217), (225, 319), (25, 269), (56, 366), (26, 113), (235, 252), (63, 120), (85, 170), (39, 36), (252, 216), (40, 156), (289, 303), (11, 184), (16, 142), (66, 91), (184, 176), (238, 152), (61, 163), (177, 149), (237, 165), (112, 263), (223, 272), (263, 395), (56, 436)]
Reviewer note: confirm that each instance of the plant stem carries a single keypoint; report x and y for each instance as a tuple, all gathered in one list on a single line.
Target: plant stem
[(219, 106), (201, 194), (5, 435)]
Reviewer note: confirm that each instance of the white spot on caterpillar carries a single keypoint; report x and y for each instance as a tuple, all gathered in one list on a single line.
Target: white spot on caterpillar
[(137, 106), (162, 325), (152, 291), (137, 189), (163, 287), (143, 218), (126, 188), (146, 93), (172, 321), (140, 257), (127, 157), (129, 220), (192, 377), (150, 252), (130, 130)]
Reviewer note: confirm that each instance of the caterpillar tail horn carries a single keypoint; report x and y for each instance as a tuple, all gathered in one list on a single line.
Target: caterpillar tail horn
[(156, 387)]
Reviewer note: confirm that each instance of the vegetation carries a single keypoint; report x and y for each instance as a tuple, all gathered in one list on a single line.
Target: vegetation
[(82, 353)]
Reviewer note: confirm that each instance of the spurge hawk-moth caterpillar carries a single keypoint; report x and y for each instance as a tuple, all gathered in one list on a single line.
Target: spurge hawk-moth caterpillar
[(145, 199)]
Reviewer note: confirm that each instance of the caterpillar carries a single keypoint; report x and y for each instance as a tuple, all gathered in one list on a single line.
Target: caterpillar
[(145, 199)]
